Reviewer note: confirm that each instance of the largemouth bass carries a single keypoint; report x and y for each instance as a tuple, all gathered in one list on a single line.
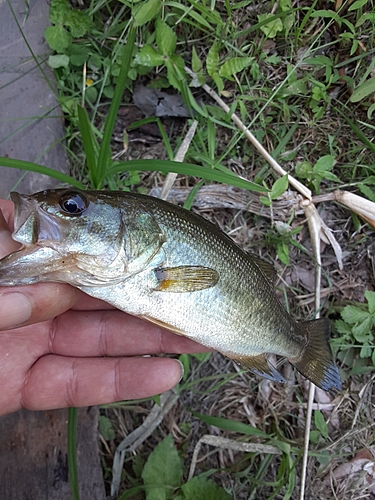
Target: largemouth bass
[(169, 266)]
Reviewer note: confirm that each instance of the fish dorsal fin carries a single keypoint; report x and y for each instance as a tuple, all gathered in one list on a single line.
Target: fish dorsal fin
[(260, 366), (268, 270), (185, 278)]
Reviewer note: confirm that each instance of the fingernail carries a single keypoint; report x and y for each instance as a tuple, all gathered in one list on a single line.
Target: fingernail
[(15, 309), (182, 371)]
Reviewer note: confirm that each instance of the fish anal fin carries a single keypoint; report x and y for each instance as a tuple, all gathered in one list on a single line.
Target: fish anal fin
[(185, 278), (260, 366), (268, 270), (316, 361)]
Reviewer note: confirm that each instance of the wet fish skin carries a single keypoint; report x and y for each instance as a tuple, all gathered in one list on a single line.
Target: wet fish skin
[(167, 265)]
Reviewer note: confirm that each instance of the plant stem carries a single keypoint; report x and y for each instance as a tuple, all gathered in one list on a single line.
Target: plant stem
[(104, 152)]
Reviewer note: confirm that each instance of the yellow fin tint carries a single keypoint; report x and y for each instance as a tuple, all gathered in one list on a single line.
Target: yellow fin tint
[(185, 278), (266, 267), (316, 361), (260, 366)]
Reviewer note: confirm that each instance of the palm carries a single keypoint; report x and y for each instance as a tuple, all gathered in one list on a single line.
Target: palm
[(75, 350)]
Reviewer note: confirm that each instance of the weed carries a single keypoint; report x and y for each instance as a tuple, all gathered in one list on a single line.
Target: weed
[(356, 329)]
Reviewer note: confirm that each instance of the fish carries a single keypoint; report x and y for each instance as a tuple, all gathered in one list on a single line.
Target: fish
[(170, 266)]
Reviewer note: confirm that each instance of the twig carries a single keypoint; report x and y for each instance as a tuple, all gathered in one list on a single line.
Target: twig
[(136, 438), (254, 141), (314, 223), (182, 150), (229, 444)]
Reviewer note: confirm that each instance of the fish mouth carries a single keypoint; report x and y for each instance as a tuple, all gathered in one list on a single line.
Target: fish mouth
[(33, 225)]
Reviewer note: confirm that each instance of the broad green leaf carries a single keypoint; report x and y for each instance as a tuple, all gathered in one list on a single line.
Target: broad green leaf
[(146, 12), (370, 110), (282, 251), (364, 90), (58, 11), (78, 54), (304, 169), (279, 187), (175, 71), (366, 191), (369, 16), (106, 428), (57, 38), (219, 82), (186, 169), (235, 65), (326, 13), (196, 63), (78, 22), (163, 471), (58, 61), (165, 38), (148, 56), (318, 60), (324, 164), (315, 436), (361, 331), (273, 27), (285, 5), (212, 61), (201, 488), (352, 315), (366, 351), (329, 176), (370, 297), (357, 5), (320, 423)]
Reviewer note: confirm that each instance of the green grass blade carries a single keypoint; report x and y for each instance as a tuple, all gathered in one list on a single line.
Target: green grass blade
[(103, 160), (166, 166), (155, 119), (89, 145), (72, 452), (40, 169), (231, 425), (361, 136)]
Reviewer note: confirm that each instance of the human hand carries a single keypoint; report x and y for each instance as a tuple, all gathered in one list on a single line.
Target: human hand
[(60, 347)]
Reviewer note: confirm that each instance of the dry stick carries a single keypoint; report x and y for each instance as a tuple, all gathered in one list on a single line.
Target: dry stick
[(254, 141), (222, 443), (296, 184), (140, 434), (182, 150), (314, 224)]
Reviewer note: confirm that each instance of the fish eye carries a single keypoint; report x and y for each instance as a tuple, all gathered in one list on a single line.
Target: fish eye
[(73, 203)]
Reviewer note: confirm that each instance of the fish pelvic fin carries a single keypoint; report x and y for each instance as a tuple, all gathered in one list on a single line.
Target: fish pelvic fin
[(316, 362), (260, 366)]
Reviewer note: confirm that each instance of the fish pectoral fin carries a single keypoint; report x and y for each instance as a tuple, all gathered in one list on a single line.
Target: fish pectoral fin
[(260, 366), (185, 278)]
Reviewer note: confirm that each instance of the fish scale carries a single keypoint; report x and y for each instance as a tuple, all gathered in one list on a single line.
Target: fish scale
[(170, 266)]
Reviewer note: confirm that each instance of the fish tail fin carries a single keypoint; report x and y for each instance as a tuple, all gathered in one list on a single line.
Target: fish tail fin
[(316, 362)]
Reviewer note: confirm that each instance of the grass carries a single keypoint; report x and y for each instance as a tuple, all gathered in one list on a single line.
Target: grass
[(298, 77)]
